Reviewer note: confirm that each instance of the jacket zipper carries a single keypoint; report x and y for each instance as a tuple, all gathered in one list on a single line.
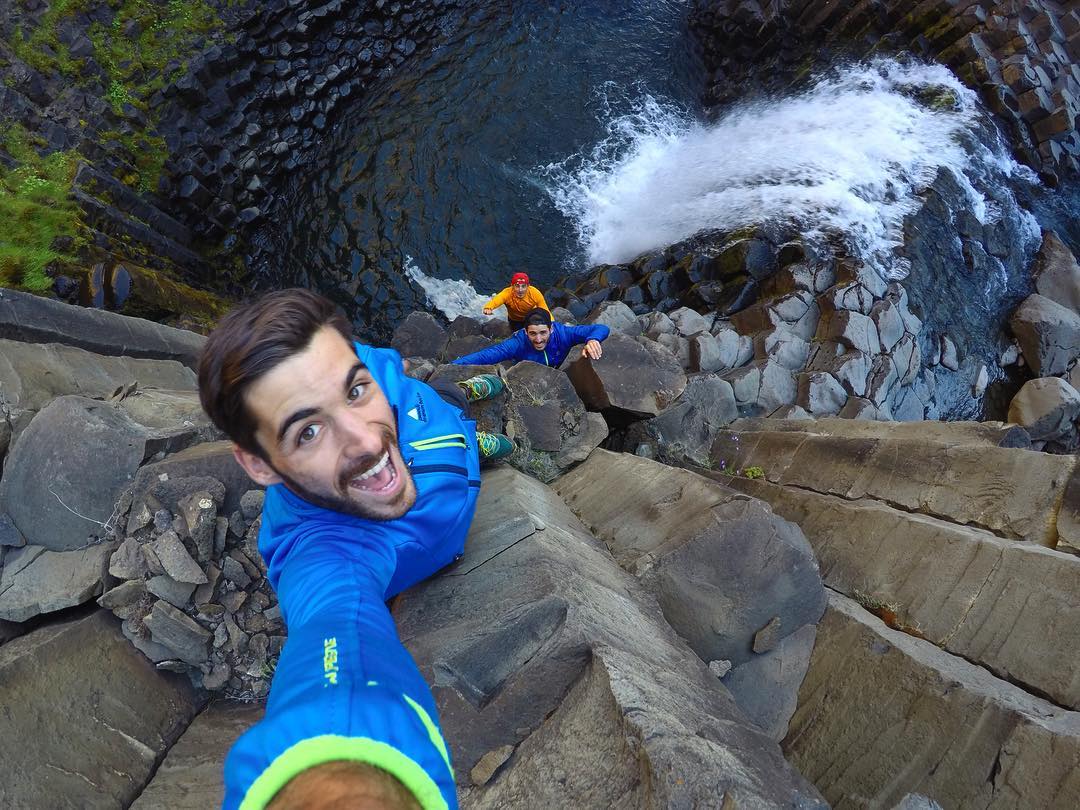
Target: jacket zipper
[(447, 468)]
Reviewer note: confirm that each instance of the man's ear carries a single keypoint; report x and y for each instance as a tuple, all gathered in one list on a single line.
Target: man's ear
[(257, 468)]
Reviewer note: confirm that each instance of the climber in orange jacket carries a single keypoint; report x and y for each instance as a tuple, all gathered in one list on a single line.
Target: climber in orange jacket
[(519, 299)]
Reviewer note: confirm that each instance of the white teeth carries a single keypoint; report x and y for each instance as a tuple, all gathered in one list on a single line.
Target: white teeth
[(378, 468)]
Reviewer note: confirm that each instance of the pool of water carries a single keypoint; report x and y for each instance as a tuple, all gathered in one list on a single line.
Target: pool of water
[(441, 167)]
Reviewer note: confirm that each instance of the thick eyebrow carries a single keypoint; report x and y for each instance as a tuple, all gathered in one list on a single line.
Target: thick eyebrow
[(352, 373), (303, 413)]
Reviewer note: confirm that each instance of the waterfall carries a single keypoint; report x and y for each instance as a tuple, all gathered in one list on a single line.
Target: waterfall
[(845, 159), (452, 297)]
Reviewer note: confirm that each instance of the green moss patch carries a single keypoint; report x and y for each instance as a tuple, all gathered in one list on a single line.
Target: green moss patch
[(38, 220)]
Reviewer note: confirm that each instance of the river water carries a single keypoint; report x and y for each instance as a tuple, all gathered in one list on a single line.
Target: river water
[(551, 137)]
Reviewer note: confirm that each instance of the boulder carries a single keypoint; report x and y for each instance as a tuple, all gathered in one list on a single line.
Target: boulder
[(787, 349), (628, 379), (539, 642), (466, 344), (128, 712), (687, 429), (26, 317), (36, 580), (890, 326), (654, 324), (1047, 407), (419, 335), (852, 329), (735, 349), (546, 416), (705, 353), (1056, 273), (767, 686), (722, 566), (820, 394), (69, 466), (882, 714), (688, 322), (190, 776), (617, 316), (1048, 333)]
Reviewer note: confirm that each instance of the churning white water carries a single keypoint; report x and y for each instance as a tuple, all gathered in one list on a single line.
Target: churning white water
[(452, 297), (847, 158)]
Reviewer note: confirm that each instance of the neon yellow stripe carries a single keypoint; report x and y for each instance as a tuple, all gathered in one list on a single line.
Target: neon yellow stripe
[(432, 730), (419, 443), (330, 747), (462, 445)]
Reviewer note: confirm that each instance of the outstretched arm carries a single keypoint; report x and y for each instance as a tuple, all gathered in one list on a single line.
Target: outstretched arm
[(590, 334), (506, 350), (497, 301)]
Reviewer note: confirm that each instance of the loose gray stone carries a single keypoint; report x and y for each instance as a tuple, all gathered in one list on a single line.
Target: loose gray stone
[(235, 573), (251, 504), (128, 562), (167, 588), (179, 632), (175, 559)]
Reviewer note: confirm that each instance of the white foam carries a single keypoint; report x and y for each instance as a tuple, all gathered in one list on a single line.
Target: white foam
[(849, 157), (452, 297)]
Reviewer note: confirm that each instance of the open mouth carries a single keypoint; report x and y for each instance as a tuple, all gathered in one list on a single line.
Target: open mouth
[(381, 478)]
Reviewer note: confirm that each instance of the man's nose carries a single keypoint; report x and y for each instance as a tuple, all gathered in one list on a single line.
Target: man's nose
[(359, 436)]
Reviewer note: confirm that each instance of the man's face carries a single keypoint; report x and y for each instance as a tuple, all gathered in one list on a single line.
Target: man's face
[(329, 433), (538, 335), (519, 288)]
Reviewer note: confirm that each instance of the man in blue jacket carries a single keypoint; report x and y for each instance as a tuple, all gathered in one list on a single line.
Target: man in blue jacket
[(372, 479), (542, 342)]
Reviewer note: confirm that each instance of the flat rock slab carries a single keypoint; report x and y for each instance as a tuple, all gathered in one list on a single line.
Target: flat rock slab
[(537, 640), (190, 777), (948, 434), (86, 716), (883, 714), (51, 580), (1012, 607), (33, 374), (41, 320), (66, 471), (1010, 492)]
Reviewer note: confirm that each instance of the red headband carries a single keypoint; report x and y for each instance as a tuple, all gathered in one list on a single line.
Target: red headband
[(519, 277)]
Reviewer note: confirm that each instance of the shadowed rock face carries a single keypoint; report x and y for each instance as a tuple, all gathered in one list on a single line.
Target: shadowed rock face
[(86, 716), (537, 640), (882, 714)]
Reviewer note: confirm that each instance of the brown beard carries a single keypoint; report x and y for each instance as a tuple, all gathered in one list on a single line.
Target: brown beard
[(337, 503)]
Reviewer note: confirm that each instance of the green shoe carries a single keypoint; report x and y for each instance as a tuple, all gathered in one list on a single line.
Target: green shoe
[(493, 446), (482, 386)]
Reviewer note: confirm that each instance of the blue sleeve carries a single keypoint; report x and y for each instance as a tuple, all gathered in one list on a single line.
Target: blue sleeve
[(506, 350), (587, 332)]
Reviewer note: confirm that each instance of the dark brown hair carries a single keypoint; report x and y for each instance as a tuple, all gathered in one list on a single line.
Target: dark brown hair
[(538, 317), (250, 341)]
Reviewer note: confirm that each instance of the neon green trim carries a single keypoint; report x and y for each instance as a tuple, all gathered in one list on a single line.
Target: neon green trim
[(330, 747), (420, 444), (462, 445), (432, 730), (546, 361)]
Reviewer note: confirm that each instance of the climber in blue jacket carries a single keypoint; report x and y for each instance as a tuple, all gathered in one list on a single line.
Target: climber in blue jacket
[(542, 342), (372, 479)]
